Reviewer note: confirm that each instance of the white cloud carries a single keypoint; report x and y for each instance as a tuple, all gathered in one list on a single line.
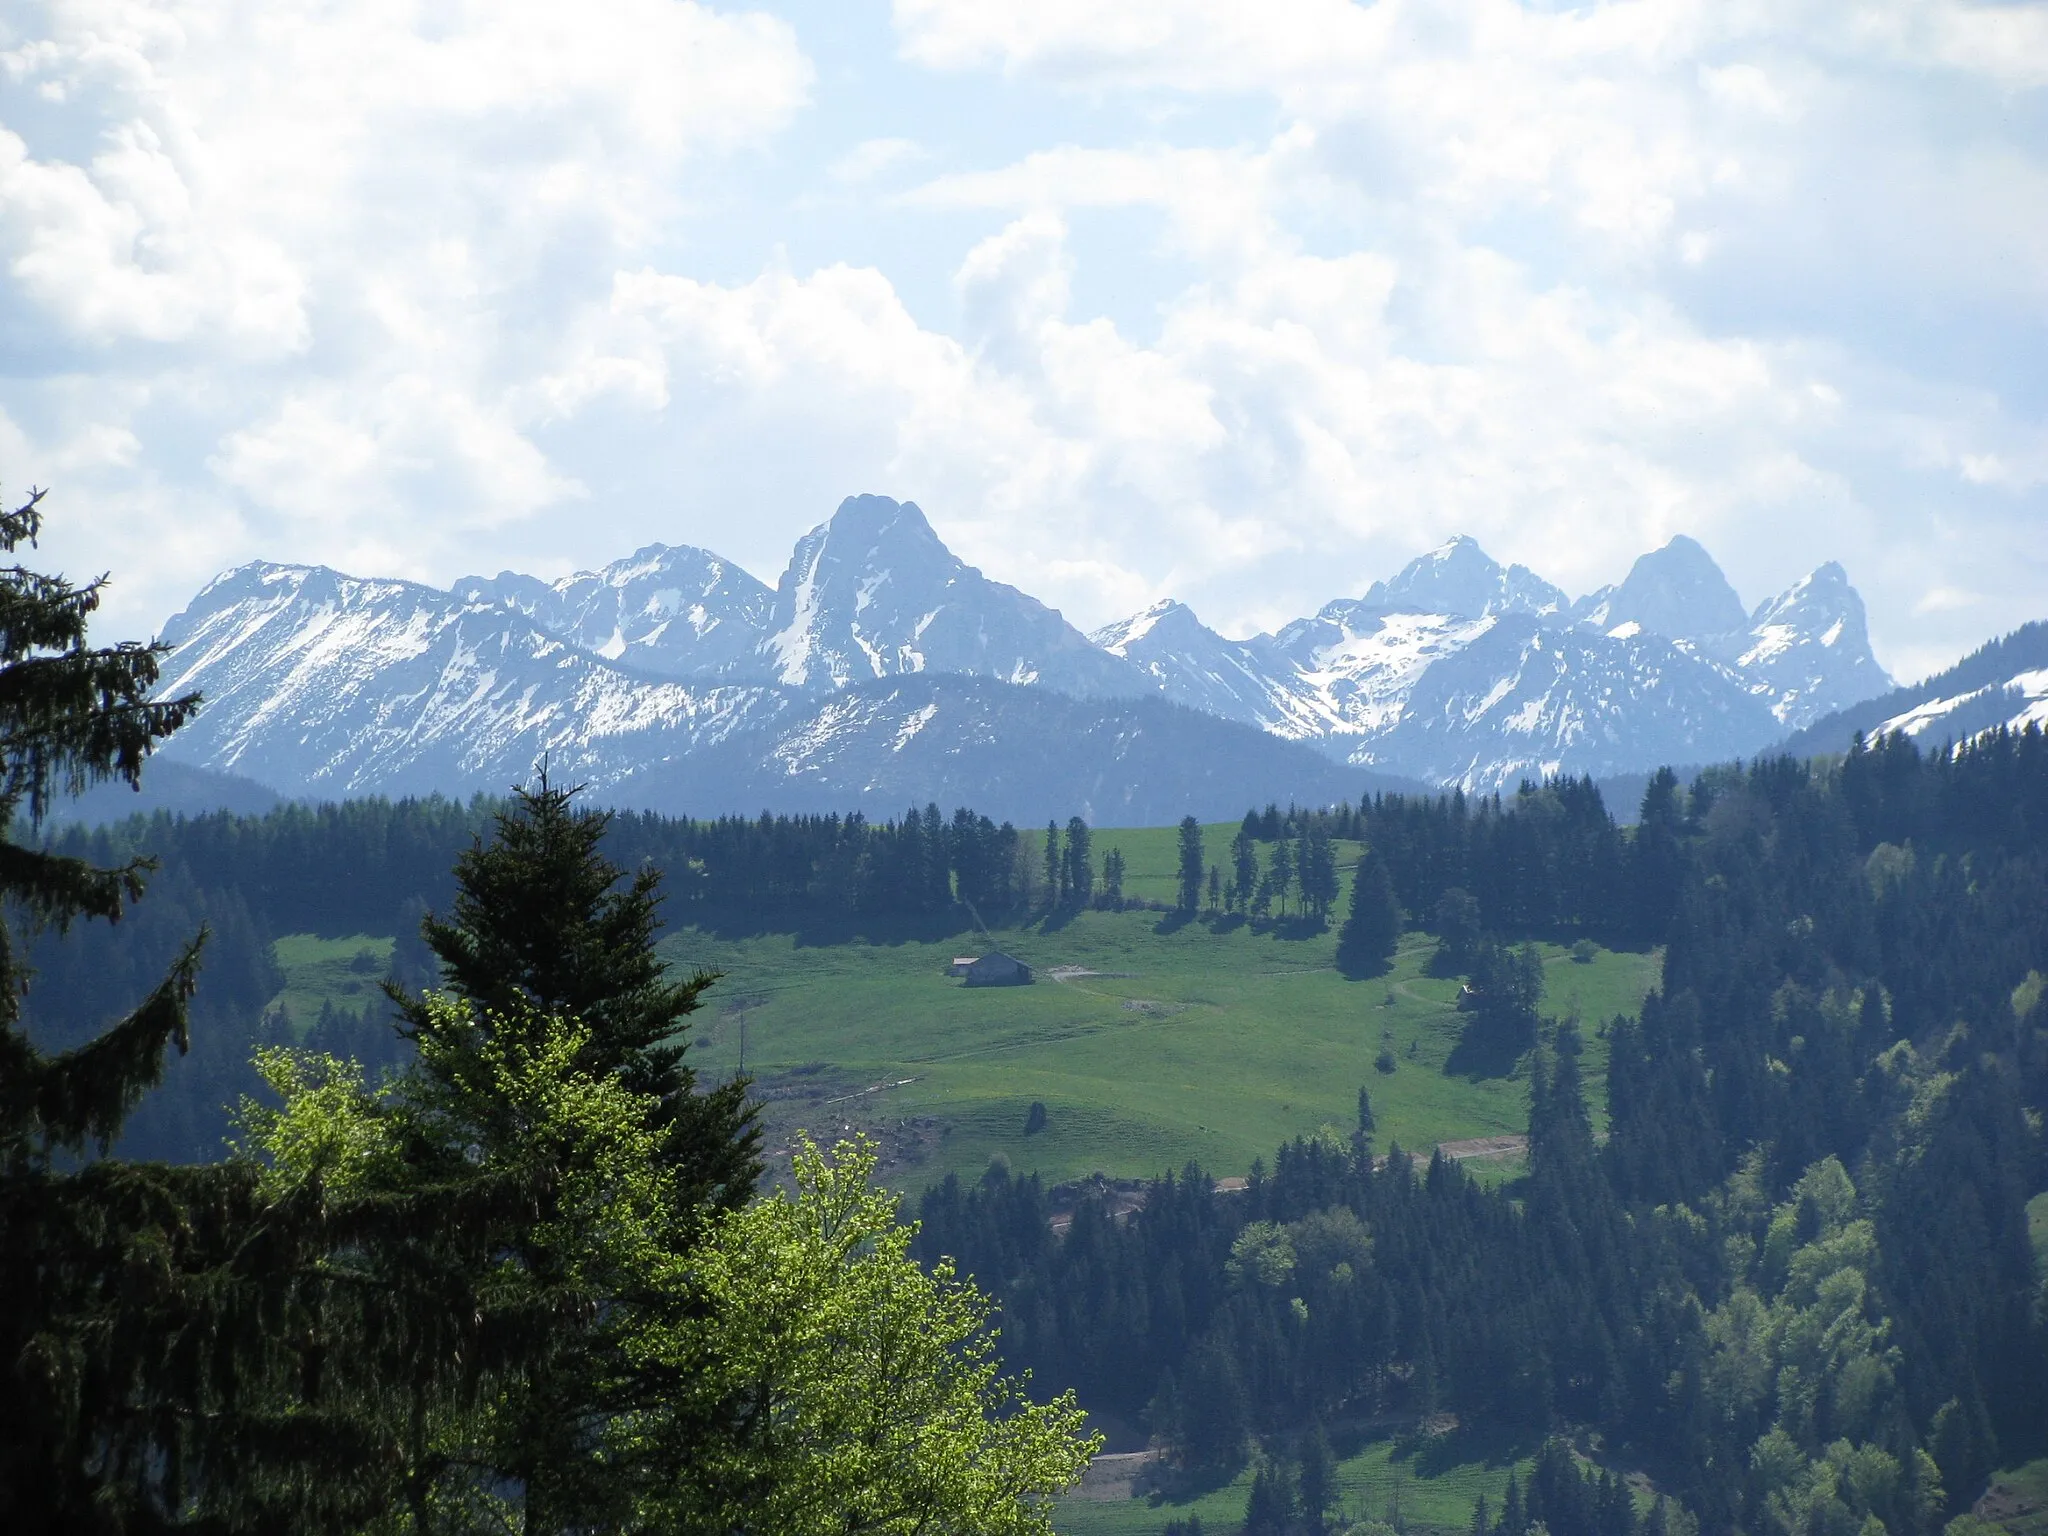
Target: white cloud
[(1284, 440), (874, 157), (387, 285), (370, 234), (1772, 274)]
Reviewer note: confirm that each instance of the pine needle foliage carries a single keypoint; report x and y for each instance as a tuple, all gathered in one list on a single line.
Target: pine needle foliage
[(91, 1257)]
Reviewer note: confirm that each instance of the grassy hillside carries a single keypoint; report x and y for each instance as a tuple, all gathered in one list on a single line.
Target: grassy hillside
[(1207, 1040), (343, 971), (1188, 1043), (1424, 1484)]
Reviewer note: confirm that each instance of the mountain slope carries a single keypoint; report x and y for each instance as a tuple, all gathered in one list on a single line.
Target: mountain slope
[(1458, 577), (1457, 670), (320, 683), (1809, 649), (874, 593), (1012, 752), (1247, 681), (2003, 683), (1524, 701), (1677, 592), (675, 611)]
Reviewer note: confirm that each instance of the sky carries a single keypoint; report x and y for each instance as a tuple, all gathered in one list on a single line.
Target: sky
[(1243, 302)]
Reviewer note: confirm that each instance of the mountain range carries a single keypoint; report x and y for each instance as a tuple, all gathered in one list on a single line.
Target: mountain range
[(882, 669)]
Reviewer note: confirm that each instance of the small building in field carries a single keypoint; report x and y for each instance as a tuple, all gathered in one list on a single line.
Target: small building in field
[(997, 969), (961, 965)]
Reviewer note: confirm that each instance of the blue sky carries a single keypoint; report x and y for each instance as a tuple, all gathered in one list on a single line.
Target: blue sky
[(1243, 303)]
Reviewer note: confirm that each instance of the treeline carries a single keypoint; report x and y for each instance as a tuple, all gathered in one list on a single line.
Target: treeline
[(377, 867), (1547, 860), (1795, 1281)]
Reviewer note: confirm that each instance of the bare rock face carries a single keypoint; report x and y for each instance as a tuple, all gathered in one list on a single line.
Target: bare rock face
[(1677, 592)]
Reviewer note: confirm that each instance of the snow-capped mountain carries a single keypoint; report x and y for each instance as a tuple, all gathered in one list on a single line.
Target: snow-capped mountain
[(1462, 670), (324, 684), (874, 593), (2003, 683), (1188, 662), (327, 685), (675, 611), (1677, 592), (1809, 649), (673, 675), (1523, 700), (1461, 578)]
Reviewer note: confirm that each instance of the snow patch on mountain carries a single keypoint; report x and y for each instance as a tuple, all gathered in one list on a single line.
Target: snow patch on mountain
[(670, 610), (321, 683), (1809, 649), (873, 592)]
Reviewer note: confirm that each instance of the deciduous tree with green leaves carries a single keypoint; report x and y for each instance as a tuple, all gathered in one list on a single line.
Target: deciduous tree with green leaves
[(812, 1377)]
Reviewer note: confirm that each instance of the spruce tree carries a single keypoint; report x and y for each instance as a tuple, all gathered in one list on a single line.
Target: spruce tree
[(90, 1256), (1366, 942), (1190, 874), (1078, 878), (545, 927), (1244, 859), (1318, 1481)]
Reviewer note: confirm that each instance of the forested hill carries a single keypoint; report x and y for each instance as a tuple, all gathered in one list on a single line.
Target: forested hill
[(1794, 1285), (1548, 861)]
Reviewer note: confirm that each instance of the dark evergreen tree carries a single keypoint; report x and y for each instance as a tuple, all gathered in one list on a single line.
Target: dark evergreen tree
[(1280, 870), (97, 1420), (1372, 930), (1318, 1482), (1458, 930), (1271, 1506), (1077, 874), (1244, 860), (1113, 879), (1190, 872), (473, 1288)]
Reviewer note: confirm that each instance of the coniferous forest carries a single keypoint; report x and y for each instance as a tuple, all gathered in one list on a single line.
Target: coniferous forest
[(489, 1256)]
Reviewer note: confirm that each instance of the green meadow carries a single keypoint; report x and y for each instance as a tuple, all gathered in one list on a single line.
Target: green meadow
[(346, 972), (1186, 1042), (1415, 1483), (1150, 1040)]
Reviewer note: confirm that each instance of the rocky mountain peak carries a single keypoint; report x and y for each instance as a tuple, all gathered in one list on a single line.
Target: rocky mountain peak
[(1810, 645), (1458, 577), (673, 610), (1167, 620), (1677, 592), (874, 592)]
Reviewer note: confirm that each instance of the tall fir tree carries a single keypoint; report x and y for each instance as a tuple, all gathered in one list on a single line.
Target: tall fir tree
[(545, 927), (91, 1255), (1366, 942), (1190, 871), (544, 924), (1078, 871)]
